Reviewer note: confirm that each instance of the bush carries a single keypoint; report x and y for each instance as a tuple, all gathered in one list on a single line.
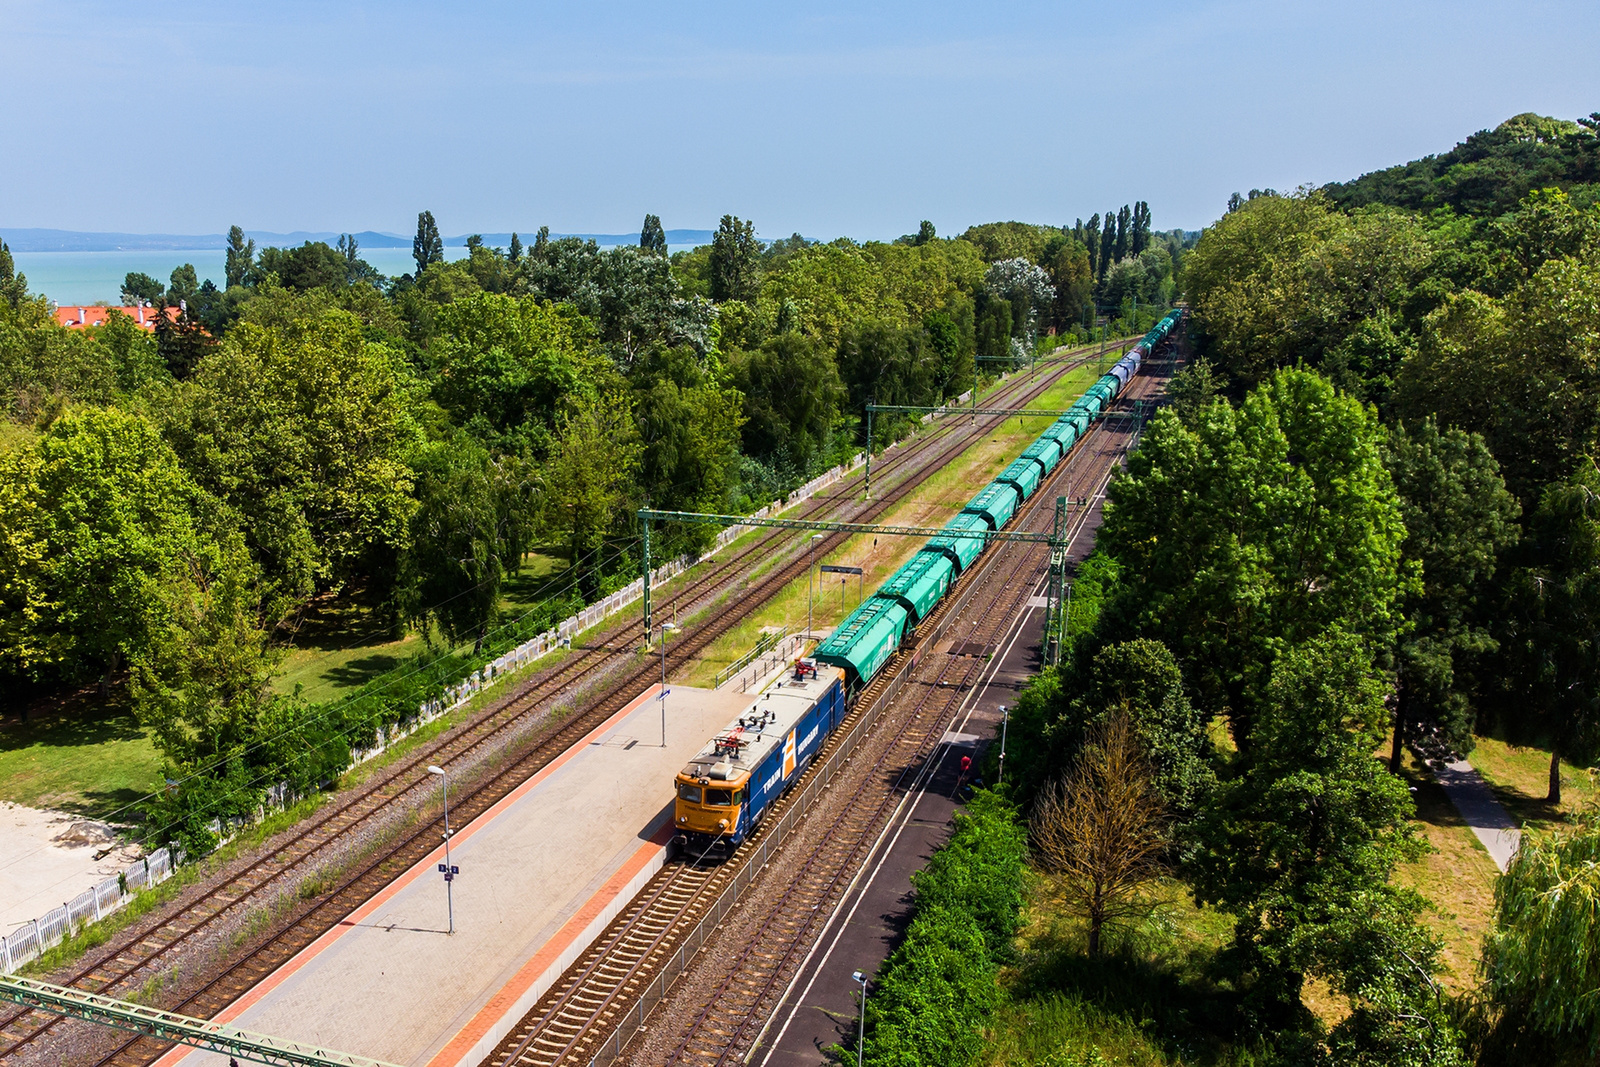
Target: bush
[(935, 994)]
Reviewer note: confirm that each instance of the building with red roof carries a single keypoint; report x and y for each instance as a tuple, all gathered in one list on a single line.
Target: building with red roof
[(80, 317)]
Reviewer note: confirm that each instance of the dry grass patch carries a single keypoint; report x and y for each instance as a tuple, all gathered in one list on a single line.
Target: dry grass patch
[(1520, 778), (1457, 877)]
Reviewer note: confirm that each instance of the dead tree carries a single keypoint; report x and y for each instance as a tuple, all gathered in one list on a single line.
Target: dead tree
[(1103, 827)]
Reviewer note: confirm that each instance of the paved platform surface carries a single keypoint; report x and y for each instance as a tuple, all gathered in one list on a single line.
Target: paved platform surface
[(549, 864)]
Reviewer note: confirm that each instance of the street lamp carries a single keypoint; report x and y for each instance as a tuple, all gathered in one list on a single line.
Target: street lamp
[(1005, 722), (810, 553), (445, 868), (662, 696), (861, 1040)]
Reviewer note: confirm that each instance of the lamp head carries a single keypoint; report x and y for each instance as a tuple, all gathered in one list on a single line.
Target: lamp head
[(858, 976), (436, 770)]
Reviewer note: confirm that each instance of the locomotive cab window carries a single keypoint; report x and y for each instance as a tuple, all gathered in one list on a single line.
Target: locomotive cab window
[(721, 797), (691, 793)]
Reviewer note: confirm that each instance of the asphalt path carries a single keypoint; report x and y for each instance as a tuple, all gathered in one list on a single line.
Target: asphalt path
[(820, 1007)]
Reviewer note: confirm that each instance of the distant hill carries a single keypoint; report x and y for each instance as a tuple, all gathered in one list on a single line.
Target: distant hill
[(1489, 172), (38, 240)]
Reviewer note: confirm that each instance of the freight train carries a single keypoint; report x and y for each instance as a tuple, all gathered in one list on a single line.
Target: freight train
[(726, 788)]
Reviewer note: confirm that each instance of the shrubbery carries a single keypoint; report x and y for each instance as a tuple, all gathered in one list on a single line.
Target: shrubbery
[(935, 994)]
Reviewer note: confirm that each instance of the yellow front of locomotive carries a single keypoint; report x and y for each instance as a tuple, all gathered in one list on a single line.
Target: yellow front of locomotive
[(708, 810)]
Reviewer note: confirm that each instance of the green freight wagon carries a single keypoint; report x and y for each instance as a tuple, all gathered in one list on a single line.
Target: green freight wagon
[(866, 639), (921, 583), (962, 550), (997, 502)]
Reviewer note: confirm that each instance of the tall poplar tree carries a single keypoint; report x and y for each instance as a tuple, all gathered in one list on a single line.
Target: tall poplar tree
[(241, 257), (1108, 244), (427, 247), (735, 260), (652, 238)]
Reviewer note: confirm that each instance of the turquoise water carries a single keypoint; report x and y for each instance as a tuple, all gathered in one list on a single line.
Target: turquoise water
[(91, 277)]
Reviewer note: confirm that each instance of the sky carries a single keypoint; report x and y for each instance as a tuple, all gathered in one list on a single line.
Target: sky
[(825, 119)]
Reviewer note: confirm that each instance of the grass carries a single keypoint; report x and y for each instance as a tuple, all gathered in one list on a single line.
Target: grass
[(932, 503), (89, 757), (342, 645), (1457, 877), (1520, 778), (1149, 1000)]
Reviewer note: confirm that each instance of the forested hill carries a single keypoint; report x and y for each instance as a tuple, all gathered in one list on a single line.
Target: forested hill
[(1490, 172)]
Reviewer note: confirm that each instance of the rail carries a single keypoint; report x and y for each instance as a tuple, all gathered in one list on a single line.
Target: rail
[(170, 1026)]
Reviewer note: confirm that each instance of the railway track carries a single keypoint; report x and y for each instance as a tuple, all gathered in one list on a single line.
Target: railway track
[(571, 1025), (359, 870)]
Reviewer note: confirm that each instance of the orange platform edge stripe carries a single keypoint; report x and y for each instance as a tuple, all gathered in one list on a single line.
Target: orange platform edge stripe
[(503, 1001), (426, 864)]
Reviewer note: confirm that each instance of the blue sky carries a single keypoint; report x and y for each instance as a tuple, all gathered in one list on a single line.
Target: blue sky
[(824, 118)]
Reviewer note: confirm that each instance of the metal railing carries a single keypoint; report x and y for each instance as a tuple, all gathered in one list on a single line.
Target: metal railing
[(767, 641)]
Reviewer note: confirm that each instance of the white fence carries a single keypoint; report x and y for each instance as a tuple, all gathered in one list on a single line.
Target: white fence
[(32, 939), (29, 941)]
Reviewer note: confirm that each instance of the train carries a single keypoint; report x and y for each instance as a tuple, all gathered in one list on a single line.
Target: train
[(727, 787)]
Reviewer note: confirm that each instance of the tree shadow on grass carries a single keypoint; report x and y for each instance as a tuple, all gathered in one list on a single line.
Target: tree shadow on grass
[(114, 805), (86, 722), (1156, 986), (355, 673)]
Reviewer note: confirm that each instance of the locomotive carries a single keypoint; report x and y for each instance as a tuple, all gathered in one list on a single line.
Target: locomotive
[(731, 783)]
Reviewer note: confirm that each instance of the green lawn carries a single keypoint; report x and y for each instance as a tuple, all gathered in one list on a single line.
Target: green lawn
[(341, 646), (1520, 778), (88, 758), (1148, 1001)]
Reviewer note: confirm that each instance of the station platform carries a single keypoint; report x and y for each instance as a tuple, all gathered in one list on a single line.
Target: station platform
[(543, 873)]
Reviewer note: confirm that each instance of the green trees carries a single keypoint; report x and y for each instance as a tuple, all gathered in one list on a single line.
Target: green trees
[(1300, 847), (240, 263), (99, 516), (792, 396), (138, 287), (506, 365), (1250, 530), (1489, 173), (304, 430), (1542, 959), (1560, 606), (1290, 279), (652, 238), (1521, 369), (13, 286), (735, 266), (934, 994), (427, 247), (595, 455), (473, 521), (1459, 518)]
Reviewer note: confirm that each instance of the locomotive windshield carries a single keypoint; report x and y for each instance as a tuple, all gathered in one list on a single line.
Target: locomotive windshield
[(720, 797), (691, 793)]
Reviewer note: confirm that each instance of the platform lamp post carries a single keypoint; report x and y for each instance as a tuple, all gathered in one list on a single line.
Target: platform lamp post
[(445, 868), (1005, 723), (662, 696), (861, 1038), (811, 548)]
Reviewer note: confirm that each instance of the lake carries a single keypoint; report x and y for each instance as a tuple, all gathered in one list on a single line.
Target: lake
[(90, 277)]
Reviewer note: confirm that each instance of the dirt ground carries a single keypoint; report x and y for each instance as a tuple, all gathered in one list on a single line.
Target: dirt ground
[(49, 857)]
